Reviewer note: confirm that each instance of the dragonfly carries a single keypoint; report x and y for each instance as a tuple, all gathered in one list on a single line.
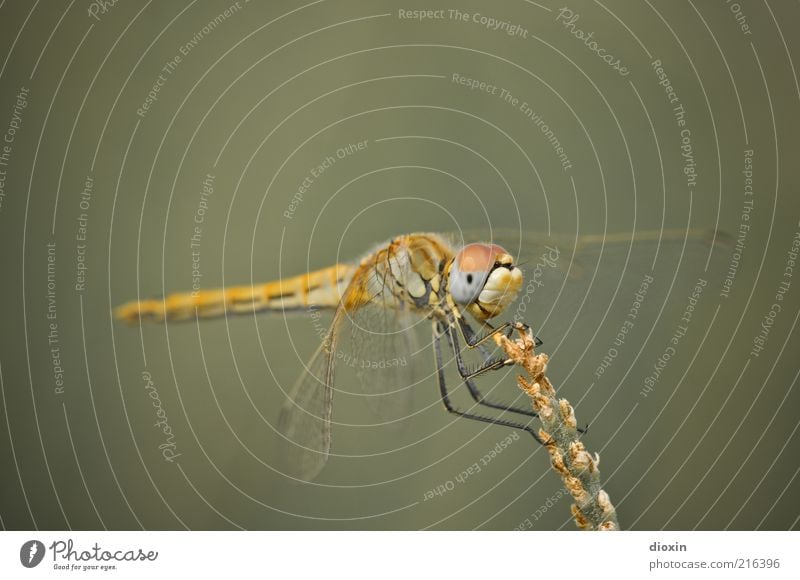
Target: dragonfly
[(455, 287)]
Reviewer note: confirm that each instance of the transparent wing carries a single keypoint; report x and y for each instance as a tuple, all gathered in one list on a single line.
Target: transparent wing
[(382, 354), (373, 351), (305, 418), (573, 282)]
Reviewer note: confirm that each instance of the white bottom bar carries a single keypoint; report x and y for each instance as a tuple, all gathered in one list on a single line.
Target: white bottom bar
[(388, 555)]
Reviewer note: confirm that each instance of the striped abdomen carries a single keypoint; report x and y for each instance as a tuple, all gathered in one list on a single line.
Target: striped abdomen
[(322, 289)]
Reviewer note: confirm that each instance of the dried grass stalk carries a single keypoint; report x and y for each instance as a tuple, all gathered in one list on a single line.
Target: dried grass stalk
[(592, 509)]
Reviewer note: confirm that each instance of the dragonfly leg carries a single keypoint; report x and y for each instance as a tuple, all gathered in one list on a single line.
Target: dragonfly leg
[(469, 334), (449, 405), (472, 339), (490, 364)]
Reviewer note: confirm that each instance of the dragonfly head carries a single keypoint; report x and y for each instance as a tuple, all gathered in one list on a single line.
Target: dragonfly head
[(483, 278)]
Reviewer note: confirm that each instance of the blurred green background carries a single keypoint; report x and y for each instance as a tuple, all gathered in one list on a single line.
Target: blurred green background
[(258, 95)]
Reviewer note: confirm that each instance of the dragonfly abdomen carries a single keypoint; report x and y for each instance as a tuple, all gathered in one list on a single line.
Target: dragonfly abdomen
[(320, 289)]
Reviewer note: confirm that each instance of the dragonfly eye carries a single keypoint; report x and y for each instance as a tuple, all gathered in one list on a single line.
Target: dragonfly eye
[(471, 269), (466, 287), (484, 274)]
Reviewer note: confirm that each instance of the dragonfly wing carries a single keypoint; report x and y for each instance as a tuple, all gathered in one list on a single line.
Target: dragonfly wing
[(382, 351), (305, 419), (568, 278), (577, 255), (371, 343)]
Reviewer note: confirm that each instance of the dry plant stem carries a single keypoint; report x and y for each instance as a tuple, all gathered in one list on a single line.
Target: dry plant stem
[(592, 509)]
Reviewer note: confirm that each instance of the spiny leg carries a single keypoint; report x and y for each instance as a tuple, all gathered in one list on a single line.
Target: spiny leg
[(469, 336), (449, 405), (491, 364), (472, 339)]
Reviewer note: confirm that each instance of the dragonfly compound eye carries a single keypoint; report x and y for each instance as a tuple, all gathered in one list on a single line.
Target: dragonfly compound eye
[(474, 266)]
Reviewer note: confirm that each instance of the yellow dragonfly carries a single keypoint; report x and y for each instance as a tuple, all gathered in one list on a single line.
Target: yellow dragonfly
[(382, 296)]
